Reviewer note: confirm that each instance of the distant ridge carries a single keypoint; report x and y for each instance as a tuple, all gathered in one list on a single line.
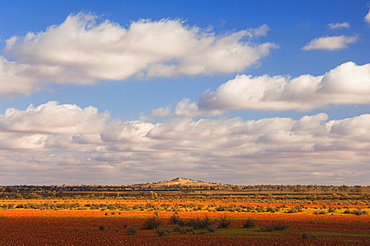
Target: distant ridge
[(182, 182)]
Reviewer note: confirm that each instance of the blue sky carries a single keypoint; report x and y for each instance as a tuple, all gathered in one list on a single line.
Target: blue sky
[(242, 92)]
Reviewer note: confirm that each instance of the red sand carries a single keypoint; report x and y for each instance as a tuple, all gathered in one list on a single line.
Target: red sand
[(41, 227)]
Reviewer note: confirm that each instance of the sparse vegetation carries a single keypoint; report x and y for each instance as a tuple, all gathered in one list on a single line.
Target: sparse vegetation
[(203, 210), (249, 223), (151, 223), (184, 230), (162, 231), (132, 230), (274, 226), (200, 223), (224, 222), (175, 219), (357, 211)]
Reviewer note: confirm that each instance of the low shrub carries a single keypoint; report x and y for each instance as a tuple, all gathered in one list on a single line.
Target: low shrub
[(224, 222), (359, 212), (184, 230), (132, 230), (162, 231), (260, 209), (249, 223), (320, 212), (151, 223), (211, 228), (199, 223), (275, 226), (175, 219), (291, 211), (347, 211), (271, 209)]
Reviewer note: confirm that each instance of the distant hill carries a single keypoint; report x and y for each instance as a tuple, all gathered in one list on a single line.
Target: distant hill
[(182, 182)]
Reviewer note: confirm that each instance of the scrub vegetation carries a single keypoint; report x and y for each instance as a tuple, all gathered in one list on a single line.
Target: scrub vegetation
[(150, 214)]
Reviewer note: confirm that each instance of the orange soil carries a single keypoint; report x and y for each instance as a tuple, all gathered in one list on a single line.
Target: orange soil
[(42, 227), (133, 202)]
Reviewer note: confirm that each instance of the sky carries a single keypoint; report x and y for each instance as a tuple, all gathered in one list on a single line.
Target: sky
[(235, 92)]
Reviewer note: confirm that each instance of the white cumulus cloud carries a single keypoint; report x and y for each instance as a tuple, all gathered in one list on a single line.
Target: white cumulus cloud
[(53, 118), (330, 43), (83, 50), (16, 77), (49, 142), (346, 84)]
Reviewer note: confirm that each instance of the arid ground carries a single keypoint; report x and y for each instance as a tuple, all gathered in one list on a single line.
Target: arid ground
[(184, 212), (62, 227)]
